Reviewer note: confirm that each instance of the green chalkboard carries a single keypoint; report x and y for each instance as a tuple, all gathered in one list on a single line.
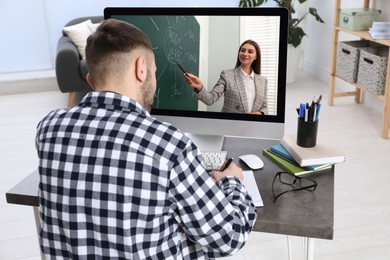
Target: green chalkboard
[(175, 39)]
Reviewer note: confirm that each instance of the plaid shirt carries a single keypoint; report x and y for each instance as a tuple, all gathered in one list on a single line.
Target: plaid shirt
[(115, 183)]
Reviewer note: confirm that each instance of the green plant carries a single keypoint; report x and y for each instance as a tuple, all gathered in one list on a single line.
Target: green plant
[(295, 32)]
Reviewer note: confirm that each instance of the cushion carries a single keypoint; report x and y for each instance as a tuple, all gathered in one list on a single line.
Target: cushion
[(93, 26), (78, 34)]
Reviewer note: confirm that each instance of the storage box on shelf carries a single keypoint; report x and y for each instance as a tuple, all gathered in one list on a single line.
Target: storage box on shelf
[(347, 62), (372, 70), (358, 19), (385, 97)]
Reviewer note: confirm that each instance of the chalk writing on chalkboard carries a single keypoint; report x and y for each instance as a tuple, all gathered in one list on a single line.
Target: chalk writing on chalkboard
[(175, 39)]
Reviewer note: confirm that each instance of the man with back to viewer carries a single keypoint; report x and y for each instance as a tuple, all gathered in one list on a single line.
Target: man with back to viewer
[(116, 183)]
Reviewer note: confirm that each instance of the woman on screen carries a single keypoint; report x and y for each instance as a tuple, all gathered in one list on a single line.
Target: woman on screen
[(244, 89)]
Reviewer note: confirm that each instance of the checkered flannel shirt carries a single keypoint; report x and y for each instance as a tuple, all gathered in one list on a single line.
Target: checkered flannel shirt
[(115, 183)]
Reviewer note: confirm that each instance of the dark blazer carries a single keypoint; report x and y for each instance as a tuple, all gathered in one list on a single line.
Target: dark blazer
[(231, 84)]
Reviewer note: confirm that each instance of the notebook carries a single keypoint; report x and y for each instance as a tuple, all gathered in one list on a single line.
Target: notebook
[(251, 186)]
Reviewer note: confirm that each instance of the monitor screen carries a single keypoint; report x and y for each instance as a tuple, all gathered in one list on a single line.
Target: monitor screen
[(205, 42)]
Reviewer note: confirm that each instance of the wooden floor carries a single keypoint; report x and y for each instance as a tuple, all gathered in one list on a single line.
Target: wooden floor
[(362, 187)]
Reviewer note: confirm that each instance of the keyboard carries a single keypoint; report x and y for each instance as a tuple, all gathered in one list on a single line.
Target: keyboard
[(213, 160)]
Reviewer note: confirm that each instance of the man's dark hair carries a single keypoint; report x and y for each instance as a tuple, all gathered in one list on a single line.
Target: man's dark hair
[(107, 48)]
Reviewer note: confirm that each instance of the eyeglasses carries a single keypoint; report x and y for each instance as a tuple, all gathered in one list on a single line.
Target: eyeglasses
[(294, 183)]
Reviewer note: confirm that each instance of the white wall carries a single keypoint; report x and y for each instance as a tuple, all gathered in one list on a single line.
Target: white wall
[(222, 51), (23, 44)]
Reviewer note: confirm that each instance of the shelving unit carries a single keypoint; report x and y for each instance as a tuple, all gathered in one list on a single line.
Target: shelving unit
[(358, 89)]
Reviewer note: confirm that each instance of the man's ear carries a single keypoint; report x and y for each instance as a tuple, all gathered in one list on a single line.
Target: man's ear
[(141, 70), (90, 82)]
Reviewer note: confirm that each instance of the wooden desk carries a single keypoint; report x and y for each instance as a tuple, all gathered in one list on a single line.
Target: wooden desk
[(305, 214)]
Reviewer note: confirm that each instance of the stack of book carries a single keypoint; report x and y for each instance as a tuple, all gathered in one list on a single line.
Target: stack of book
[(301, 161), (380, 30)]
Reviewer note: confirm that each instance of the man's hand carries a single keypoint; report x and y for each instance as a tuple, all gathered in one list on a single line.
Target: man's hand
[(232, 170)]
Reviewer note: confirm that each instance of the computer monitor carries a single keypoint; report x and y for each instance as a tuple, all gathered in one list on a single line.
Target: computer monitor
[(206, 41)]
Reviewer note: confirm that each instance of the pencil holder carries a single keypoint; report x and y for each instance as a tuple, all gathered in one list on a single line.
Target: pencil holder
[(307, 133)]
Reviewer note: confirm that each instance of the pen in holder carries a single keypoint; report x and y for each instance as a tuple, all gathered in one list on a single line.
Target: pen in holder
[(307, 133)]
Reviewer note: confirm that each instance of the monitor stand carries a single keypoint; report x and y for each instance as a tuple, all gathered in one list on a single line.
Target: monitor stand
[(207, 142)]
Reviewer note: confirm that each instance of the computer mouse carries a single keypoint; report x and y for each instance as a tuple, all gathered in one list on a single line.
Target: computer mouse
[(252, 161)]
